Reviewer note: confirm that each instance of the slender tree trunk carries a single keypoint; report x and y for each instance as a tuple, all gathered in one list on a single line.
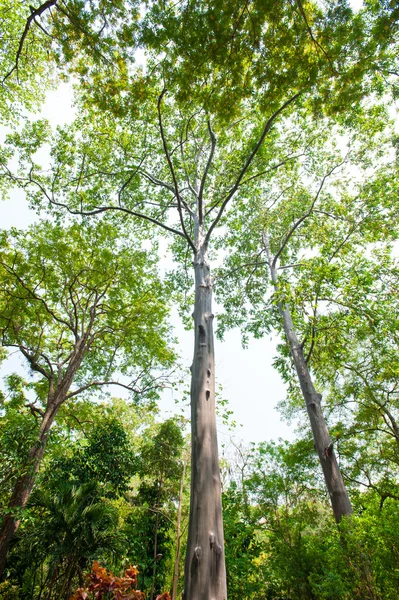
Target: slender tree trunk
[(205, 573), (24, 485), (154, 562), (178, 531), (332, 475)]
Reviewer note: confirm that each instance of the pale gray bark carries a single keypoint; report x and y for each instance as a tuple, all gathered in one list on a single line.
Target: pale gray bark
[(205, 575), (335, 484)]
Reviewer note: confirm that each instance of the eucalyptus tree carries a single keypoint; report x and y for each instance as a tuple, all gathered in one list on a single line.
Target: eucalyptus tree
[(80, 307), (176, 144), (302, 232)]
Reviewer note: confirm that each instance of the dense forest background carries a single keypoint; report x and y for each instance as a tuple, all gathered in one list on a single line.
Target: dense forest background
[(258, 142)]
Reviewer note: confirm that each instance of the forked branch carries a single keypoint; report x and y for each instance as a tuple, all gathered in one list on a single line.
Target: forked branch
[(306, 215), (248, 163), (172, 172)]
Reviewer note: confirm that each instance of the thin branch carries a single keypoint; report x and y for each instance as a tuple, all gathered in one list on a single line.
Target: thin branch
[(255, 264), (280, 164), (88, 213), (309, 354), (34, 13), (248, 163), (291, 266), (76, 23), (172, 171), (166, 185), (128, 180), (183, 158), (306, 215), (205, 175), (316, 43), (157, 181), (346, 238), (103, 383), (35, 296)]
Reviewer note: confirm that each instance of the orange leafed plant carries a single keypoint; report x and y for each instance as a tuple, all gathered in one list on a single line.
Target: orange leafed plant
[(102, 585)]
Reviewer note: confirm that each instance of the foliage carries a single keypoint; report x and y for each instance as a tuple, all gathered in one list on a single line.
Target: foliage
[(69, 525), (103, 585), (18, 431), (80, 269), (105, 456), (285, 539), (80, 511), (148, 526)]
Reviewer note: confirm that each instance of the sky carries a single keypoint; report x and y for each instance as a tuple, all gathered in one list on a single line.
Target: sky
[(249, 382)]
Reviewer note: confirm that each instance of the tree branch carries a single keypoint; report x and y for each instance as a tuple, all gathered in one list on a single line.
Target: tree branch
[(306, 215), (88, 213), (35, 410), (248, 163), (280, 164), (34, 364), (172, 171), (316, 43), (35, 296), (103, 383), (34, 13), (166, 185), (205, 175)]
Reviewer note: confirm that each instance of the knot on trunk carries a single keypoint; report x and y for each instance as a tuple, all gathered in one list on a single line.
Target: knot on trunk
[(202, 335), (198, 553), (329, 450)]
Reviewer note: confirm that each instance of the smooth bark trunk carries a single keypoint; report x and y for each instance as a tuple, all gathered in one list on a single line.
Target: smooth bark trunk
[(335, 484), (205, 573), (154, 562), (178, 531), (24, 485)]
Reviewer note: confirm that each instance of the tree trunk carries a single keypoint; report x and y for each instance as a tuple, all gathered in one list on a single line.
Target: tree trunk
[(24, 485), (332, 475), (205, 573), (178, 531), (154, 562)]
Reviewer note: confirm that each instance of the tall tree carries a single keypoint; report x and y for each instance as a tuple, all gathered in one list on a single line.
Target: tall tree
[(79, 310), (323, 205), (226, 103)]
